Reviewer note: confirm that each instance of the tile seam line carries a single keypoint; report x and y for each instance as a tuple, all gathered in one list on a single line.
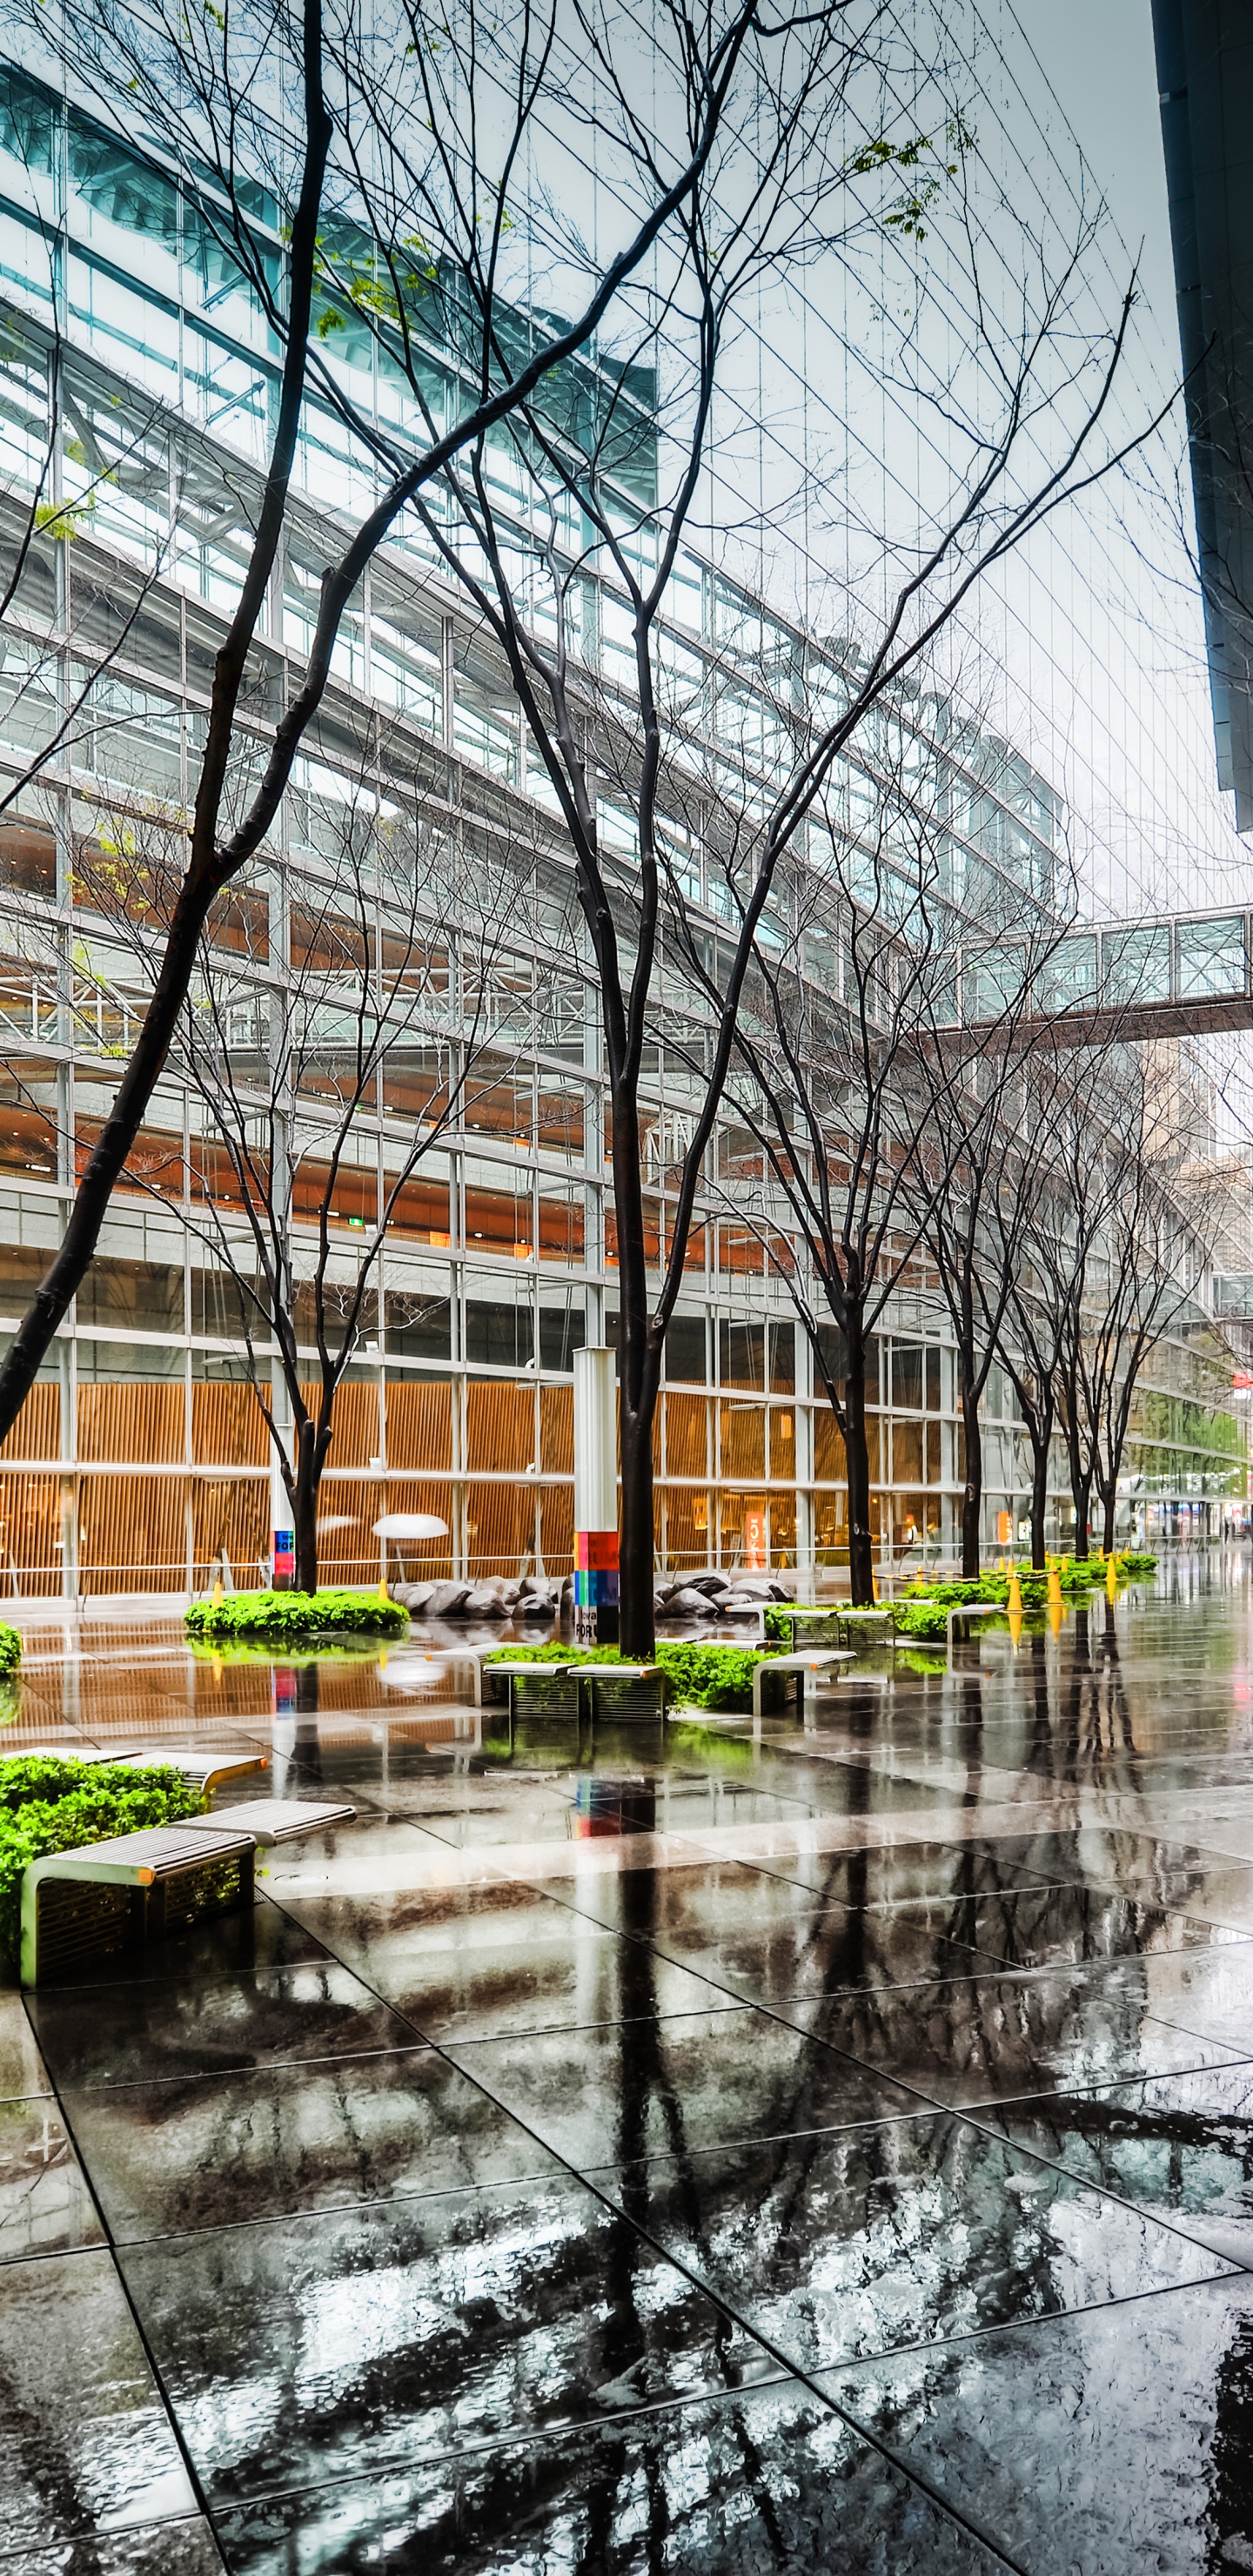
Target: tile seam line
[(772, 2012), (110, 2247), (483, 2448), (763, 2342)]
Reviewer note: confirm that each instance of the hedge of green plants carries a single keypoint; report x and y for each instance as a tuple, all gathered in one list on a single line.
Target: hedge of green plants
[(54, 1806), (711, 1677), (10, 1648), (295, 1618), (924, 1611)]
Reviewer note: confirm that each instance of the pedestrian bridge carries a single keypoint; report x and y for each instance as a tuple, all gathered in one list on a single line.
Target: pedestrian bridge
[(1177, 975)]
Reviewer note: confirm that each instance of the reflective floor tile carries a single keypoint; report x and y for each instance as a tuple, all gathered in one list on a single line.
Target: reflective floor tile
[(1210, 1993), (762, 2481), (357, 2339), (22, 2070), (1181, 2145), (1052, 1926), (45, 2205), (182, 2548), (1113, 2442), (832, 1953), (190, 2155), (839, 2246), (187, 2026), (651, 2087), (87, 2444), (466, 1965), (986, 2038)]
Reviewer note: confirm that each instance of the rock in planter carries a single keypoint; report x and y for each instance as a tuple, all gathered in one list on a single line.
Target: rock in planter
[(485, 1601), (445, 1599), (688, 1603), (414, 1597)]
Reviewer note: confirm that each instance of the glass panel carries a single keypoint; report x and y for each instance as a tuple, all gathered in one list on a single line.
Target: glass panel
[(1068, 977), (1209, 956), (1135, 965)]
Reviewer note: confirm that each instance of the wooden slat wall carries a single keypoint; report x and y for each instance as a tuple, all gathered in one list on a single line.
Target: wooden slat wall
[(227, 1429), (230, 1514), (135, 1425), (37, 1430), (30, 1525), (500, 1527), (557, 1527), (356, 1437), (132, 1534), (687, 1418), (556, 1430), (500, 1428), (419, 1425)]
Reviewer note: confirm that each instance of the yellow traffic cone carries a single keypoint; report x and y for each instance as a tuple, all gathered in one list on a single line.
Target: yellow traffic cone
[(1015, 1628), (1111, 1578), (384, 1594), (1055, 1601), (219, 1595), (1015, 1594)]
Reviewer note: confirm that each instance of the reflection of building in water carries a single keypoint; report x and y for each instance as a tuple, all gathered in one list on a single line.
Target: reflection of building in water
[(140, 1461)]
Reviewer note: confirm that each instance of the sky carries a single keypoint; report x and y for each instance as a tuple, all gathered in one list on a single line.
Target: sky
[(1098, 57)]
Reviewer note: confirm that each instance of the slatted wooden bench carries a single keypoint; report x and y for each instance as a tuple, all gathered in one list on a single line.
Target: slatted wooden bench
[(808, 1664), (105, 1897), (279, 1820)]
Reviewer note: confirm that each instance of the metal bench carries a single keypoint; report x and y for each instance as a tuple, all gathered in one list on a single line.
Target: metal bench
[(203, 1771), (971, 1610), (808, 1664), (853, 1621), (276, 1820), (113, 1895), (590, 1677)]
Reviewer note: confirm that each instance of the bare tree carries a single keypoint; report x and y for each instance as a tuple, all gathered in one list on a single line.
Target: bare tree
[(324, 1100), (366, 248), (614, 727)]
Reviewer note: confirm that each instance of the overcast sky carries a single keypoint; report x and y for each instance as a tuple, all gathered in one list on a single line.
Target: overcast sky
[(1098, 56)]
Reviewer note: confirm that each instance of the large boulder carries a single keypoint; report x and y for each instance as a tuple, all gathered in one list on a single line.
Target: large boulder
[(414, 1597), (485, 1601), (688, 1603), (445, 1599)]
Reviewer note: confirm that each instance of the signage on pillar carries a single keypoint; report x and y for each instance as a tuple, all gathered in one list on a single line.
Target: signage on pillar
[(284, 1557), (596, 1586), (755, 1538)]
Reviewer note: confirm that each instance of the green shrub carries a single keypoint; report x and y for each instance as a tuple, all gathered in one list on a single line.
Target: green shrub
[(293, 1618), (712, 1677), (10, 1648), (1133, 1562), (48, 1806)]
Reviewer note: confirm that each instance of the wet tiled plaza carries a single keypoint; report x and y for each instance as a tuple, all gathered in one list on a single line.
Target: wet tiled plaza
[(629, 2152)]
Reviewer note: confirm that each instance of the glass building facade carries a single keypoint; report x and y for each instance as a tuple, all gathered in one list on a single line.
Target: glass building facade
[(139, 380)]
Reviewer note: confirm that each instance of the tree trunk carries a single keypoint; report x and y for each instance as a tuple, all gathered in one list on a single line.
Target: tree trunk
[(972, 1490), (857, 1462), (1081, 1488), (1040, 1445), (305, 1484), (1109, 1535), (637, 1635)]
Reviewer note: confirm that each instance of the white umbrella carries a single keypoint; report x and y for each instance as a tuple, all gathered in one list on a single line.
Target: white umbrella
[(410, 1525)]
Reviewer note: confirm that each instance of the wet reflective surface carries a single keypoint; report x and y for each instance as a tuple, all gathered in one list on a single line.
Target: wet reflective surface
[(632, 2149)]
